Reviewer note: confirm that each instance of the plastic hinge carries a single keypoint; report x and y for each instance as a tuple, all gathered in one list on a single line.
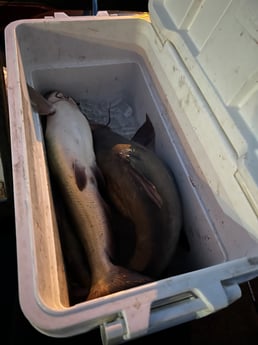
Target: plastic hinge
[(58, 15), (113, 332)]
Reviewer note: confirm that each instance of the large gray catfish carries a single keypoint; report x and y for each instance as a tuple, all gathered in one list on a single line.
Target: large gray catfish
[(72, 161), (143, 190)]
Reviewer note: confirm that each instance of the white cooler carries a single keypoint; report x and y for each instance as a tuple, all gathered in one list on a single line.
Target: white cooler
[(193, 67)]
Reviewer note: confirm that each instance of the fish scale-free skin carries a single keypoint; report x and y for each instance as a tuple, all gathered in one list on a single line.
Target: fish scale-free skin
[(72, 161), (143, 190)]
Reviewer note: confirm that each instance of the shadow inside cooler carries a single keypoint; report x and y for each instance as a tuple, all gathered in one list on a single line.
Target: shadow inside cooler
[(113, 77)]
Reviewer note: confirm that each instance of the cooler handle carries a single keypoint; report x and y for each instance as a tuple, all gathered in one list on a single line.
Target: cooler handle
[(181, 299)]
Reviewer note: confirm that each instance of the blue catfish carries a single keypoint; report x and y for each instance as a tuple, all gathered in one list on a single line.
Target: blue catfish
[(72, 162), (142, 188)]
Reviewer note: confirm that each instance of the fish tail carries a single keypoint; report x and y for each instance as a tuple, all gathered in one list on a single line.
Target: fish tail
[(117, 279)]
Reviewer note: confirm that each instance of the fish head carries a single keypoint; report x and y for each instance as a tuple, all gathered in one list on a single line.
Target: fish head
[(57, 96)]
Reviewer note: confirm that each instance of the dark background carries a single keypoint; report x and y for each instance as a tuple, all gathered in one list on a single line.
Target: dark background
[(237, 324)]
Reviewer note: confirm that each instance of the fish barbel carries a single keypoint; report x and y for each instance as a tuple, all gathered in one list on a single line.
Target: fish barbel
[(72, 161)]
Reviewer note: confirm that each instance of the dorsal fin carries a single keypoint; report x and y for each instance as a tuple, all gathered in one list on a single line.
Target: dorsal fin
[(145, 135)]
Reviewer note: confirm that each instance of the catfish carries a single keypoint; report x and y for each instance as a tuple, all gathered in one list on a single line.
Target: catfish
[(143, 189), (72, 162)]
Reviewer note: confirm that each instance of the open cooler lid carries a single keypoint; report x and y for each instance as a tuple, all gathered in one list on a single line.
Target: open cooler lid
[(218, 43)]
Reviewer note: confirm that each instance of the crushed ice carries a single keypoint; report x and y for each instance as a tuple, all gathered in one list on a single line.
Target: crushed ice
[(117, 114)]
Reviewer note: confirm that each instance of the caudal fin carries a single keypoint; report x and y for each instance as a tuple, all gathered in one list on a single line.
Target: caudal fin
[(117, 279)]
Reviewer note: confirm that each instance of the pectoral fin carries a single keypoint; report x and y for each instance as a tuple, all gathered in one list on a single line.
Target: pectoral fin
[(148, 186), (125, 152), (80, 175)]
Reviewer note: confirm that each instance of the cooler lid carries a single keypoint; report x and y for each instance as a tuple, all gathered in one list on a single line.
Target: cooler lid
[(218, 43)]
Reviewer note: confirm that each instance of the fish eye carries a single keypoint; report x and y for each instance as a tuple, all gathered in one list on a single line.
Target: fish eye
[(59, 95)]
